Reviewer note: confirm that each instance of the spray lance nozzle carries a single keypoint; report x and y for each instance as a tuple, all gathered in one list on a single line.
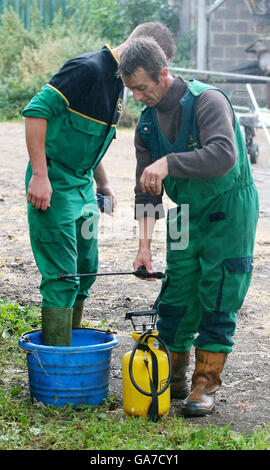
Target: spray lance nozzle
[(140, 272)]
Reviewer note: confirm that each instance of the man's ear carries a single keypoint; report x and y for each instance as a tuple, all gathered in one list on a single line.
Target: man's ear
[(164, 73)]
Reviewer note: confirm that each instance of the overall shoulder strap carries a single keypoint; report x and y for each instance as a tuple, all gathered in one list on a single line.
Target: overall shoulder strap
[(148, 132), (196, 87)]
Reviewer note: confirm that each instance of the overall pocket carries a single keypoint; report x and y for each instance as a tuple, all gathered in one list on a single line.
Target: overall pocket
[(236, 277), (80, 140), (55, 251), (169, 319), (46, 250)]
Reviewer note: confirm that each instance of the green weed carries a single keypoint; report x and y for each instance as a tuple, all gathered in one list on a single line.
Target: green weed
[(33, 426), (15, 319)]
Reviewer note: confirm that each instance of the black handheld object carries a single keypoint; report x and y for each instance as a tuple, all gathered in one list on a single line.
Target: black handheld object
[(141, 272), (104, 203)]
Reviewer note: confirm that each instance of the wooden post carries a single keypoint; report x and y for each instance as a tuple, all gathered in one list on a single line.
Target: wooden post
[(204, 14), (201, 35), (184, 18), (17, 7), (268, 95), (27, 14), (5, 4)]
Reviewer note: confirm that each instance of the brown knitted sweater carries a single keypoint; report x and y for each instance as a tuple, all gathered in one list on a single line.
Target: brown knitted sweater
[(218, 154)]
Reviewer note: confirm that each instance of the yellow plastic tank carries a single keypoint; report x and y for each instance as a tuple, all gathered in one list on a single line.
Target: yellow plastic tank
[(136, 403)]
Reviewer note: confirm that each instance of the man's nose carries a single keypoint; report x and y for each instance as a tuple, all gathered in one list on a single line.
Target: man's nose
[(137, 95)]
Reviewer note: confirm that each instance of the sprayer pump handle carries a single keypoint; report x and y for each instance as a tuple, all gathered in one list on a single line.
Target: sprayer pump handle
[(140, 313), (141, 272)]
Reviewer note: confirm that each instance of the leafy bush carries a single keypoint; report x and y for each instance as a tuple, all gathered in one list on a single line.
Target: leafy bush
[(29, 58), (115, 19), (131, 113), (15, 319), (184, 48), (13, 38)]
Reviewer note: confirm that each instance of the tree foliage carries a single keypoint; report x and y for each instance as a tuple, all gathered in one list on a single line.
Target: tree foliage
[(115, 19), (30, 56)]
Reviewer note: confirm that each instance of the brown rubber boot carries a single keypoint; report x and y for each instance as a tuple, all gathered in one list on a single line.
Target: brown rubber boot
[(179, 385), (180, 362), (205, 382)]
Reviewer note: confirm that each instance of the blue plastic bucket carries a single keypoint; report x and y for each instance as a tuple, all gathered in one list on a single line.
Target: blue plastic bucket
[(78, 374)]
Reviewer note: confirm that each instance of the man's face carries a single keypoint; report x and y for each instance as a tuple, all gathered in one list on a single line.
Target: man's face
[(144, 88)]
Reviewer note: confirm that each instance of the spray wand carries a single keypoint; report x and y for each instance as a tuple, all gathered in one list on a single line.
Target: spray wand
[(140, 272)]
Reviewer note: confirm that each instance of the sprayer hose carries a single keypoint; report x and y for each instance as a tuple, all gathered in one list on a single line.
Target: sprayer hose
[(135, 348)]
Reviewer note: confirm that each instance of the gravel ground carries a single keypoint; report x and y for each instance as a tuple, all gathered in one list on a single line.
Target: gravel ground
[(243, 402)]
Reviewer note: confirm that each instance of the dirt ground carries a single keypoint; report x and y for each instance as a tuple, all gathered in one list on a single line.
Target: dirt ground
[(243, 402)]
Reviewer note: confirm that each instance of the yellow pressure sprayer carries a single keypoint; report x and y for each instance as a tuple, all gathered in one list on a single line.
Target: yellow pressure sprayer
[(146, 372)]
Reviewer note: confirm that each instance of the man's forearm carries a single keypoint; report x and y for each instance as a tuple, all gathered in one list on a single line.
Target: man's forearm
[(39, 187), (35, 132), (144, 257), (146, 229), (100, 175)]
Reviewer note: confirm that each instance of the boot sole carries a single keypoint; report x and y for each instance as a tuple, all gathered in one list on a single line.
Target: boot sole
[(196, 412), (179, 396)]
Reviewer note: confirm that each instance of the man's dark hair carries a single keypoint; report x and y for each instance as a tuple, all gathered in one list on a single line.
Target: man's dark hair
[(143, 52), (160, 33)]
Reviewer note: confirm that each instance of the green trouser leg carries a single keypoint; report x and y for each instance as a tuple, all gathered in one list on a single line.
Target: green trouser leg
[(56, 326), (65, 241), (87, 261), (77, 312), (179, 307), (209, 279)]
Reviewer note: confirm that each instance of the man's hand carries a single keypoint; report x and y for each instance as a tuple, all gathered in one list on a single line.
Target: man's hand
[(144, 258), (39, 192), (103, 185), (152, 176), (107, 191)]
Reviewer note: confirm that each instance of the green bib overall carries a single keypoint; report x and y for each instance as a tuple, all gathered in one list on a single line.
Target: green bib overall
[(64, 237), (209, 278)]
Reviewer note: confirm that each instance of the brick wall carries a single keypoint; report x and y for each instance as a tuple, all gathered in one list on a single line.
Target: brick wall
[(232, 28)]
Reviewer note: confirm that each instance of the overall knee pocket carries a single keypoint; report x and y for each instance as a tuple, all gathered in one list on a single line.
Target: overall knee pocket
[(224, 289), (216, 328), (169, 319)]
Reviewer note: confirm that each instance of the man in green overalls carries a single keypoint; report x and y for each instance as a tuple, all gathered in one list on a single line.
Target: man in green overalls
[(69, 126), (188, 141)]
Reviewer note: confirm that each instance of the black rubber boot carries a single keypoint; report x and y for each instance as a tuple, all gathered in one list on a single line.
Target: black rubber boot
[(77, 312), (56, 326)]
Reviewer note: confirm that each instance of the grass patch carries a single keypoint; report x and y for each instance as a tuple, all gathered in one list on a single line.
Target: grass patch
[(33, 426)]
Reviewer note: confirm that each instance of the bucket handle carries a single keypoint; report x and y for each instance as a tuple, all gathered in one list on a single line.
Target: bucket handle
[(35, 354)]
